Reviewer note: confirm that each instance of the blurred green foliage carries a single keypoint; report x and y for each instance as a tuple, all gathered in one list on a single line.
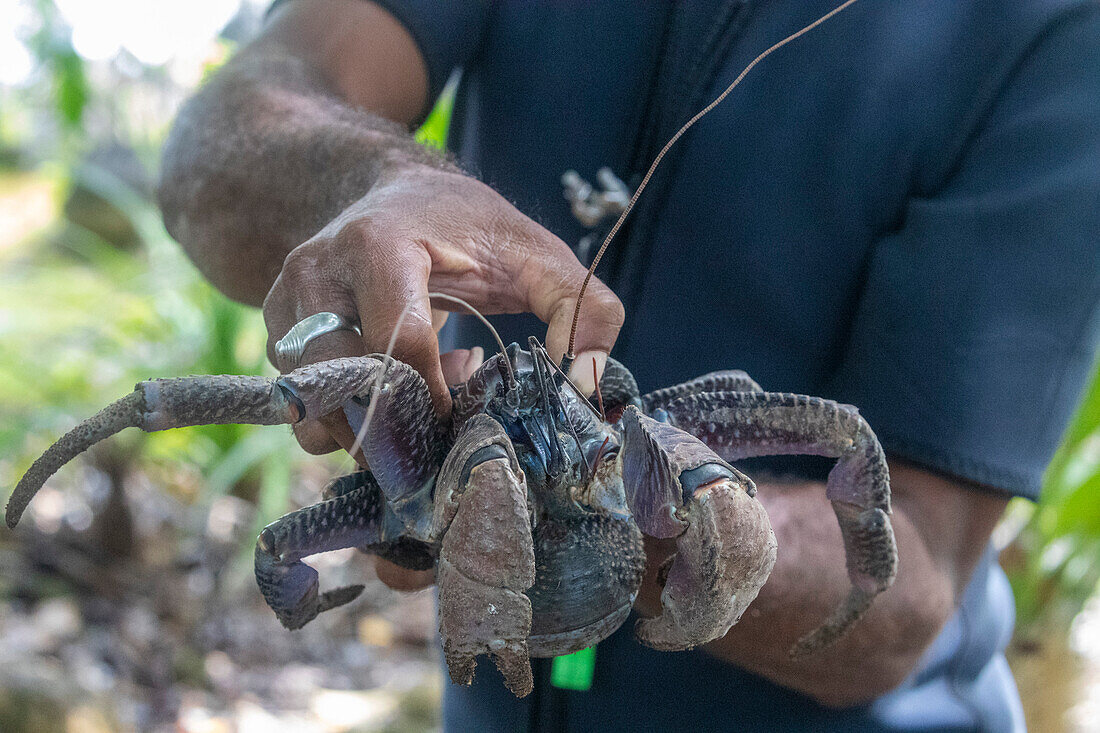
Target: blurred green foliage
[(1054, 563), (52, 44), (434, 130)]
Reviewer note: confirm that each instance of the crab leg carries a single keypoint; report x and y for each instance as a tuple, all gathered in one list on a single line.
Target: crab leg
[(746, 424), (725, 549), (353, 518), (312, 391), (158, 405), (618, 389), (728, 380), (487, 558)]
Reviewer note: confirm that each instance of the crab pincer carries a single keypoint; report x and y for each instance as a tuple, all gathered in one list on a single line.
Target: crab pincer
[(678, 488), (743, 424), (487, 557)]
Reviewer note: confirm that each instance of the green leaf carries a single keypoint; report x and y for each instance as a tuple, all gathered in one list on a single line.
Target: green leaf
[(71, 88), (433, 132)]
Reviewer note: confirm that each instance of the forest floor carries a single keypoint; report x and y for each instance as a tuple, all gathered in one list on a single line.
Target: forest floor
[(176, 638), (148, 619)]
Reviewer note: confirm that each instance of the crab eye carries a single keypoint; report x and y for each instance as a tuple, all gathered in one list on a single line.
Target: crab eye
[(599, 449)]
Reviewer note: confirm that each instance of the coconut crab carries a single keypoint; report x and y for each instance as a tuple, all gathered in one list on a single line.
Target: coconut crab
[(530, 504)]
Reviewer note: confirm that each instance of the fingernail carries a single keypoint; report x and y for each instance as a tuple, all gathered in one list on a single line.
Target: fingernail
[(581, 371)]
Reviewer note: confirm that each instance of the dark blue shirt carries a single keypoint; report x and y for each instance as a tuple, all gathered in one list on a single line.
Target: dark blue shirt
[(900, 210)]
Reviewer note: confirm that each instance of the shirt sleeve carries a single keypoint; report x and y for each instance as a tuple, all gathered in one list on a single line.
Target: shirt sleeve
[(978, 325), (447, 33)]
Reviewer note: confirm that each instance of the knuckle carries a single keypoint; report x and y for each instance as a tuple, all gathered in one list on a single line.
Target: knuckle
[(609, 306), (297, 262), (356, 234)]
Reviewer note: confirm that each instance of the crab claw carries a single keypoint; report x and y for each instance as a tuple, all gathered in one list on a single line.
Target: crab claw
[(679, 488), (290, 589), (486, 558)]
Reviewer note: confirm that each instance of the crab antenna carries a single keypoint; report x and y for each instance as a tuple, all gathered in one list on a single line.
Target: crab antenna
[(599, 394), (540, 354), (556, 458), (561, 370), (656, 161)]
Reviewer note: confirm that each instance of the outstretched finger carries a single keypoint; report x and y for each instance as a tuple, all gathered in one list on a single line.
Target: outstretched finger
[(395, 308), (597, 324)]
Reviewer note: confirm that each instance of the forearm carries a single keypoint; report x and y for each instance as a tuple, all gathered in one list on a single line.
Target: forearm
[(941, 530), (264, 157), (810, 580)]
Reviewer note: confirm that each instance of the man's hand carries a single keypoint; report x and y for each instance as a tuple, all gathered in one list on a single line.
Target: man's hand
[(292, 173), (422, 229)]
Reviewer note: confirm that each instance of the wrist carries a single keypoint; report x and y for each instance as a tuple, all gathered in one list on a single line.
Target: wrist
[(402, 165)]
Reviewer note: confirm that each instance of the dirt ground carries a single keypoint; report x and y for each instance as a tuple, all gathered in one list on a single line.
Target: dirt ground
[(149, 619), (176, 638)]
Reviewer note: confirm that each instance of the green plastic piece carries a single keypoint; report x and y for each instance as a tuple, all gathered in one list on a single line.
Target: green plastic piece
[(574, 671)]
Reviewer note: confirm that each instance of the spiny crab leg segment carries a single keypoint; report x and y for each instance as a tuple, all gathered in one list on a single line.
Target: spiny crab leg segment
[(725, 549), (618, 389), (746, 424), (353, 518), (487, 558), (404, 442), (161, 404), (727, 380), (157, 405)]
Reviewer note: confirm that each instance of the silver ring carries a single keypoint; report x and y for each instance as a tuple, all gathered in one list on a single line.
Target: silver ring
[(290, 348)]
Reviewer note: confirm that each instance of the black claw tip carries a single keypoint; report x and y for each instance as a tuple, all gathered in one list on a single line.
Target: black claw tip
[(338, 597), (266, 541)]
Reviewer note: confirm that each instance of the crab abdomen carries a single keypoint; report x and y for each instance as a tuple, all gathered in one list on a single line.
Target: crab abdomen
[(587, 574)]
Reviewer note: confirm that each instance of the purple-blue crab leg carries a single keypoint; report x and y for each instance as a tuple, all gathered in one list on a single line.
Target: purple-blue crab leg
[(354, 517), (747, 424), (727, 380), (409, 433), (618, 389), (404, 444)]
